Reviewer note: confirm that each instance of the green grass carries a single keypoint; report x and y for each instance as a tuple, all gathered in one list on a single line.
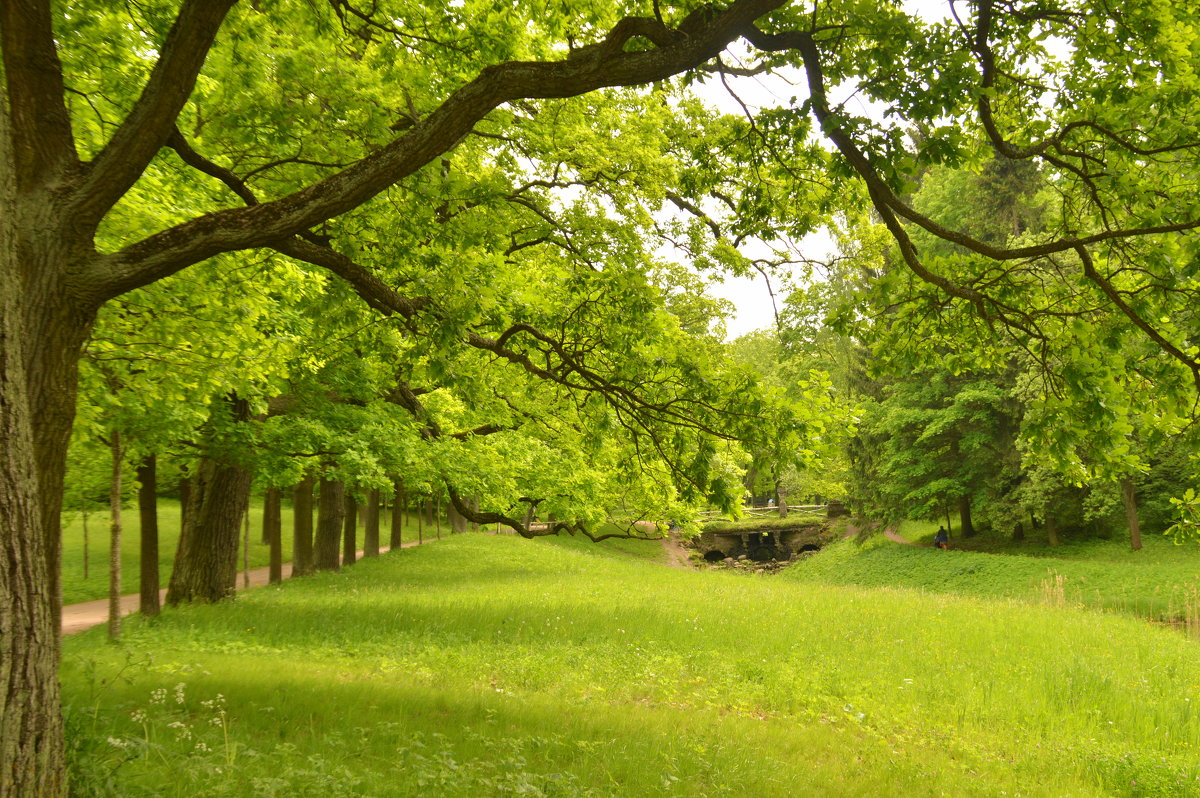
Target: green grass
[(77, 588), (1157, 582), (491, 665)]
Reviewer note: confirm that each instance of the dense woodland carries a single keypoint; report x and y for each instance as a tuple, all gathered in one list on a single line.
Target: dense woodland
[(398, 255)]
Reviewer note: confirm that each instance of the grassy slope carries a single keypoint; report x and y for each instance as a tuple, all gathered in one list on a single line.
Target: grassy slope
[(493, 665), (1157, 582), (76, 588)]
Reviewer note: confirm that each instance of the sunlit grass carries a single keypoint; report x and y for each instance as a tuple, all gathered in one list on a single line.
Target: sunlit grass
[(485, 663)]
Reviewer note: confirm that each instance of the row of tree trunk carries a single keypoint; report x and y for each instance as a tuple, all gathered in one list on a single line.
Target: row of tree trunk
[(214, 502)]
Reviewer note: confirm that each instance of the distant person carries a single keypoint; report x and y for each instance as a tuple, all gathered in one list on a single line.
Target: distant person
[(942, 539)]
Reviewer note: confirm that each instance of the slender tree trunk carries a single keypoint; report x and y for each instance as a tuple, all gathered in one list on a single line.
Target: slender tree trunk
[(331, 509), (1129, 497), (371, 525), (206, 562), (437, 515), (420, 522), (350, 531), (1051, 530), (114, 541), (964, 516), (147, 475), (246, 548), (302, 526), (273, 531), (395, 538), (264, 539), (86, 555)]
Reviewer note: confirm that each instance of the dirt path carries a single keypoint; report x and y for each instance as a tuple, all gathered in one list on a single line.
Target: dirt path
[(891, 534), (676, 554), (77, 617)]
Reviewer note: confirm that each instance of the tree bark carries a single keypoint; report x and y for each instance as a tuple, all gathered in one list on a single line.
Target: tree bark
[(246, 546), (302, 527), (420, 522), (964, 516), (86, 553), (399, 504), (273, 532), (206, 562), (458, 522), (350, 531), (331, 509), (41, 335), (1129, 497), (371, 525), (114, 540), (147, 476), (1051, 530), (185, 492)]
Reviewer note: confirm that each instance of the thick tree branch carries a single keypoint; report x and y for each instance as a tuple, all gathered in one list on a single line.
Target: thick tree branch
[(307, 246), (890, 207), (886, 201), (150, 123), (40, 128), (1090, 271), (699, 40), (374, 291)]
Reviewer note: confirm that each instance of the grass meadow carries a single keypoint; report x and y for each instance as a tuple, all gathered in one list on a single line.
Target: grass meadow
[(491, 665), (1160, 582)]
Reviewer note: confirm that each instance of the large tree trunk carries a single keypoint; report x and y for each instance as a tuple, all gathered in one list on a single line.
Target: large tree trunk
[(1051, 530), (41, 333), (1131, 514), (350, 531), (331, 509), (147, 476), (206, 562), (273, 532), (964, 516), (458, 522), (302, 527), (371, 525)]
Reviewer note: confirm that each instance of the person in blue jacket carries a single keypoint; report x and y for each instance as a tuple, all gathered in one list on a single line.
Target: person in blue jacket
[(942, 538)]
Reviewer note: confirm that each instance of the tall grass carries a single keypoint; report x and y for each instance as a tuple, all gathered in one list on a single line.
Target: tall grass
[(489, 665)]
